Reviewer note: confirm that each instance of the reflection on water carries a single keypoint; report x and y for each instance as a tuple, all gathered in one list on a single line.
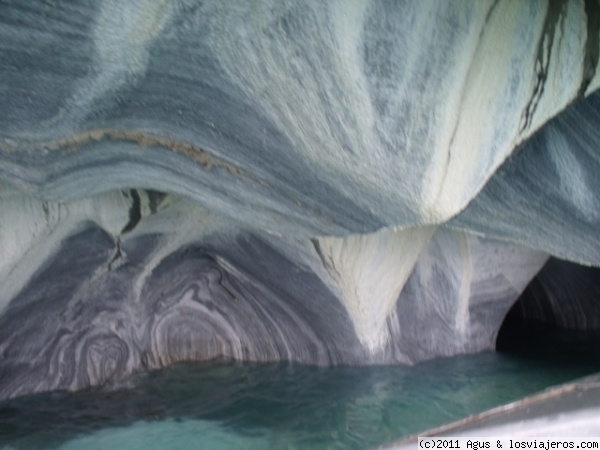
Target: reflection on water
[(279, 406)]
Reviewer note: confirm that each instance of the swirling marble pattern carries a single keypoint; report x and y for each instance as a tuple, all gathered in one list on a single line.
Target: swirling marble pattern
[(554, 207), (80, 323), (307, 119), (102, 308), (458, 295), (327, 183)]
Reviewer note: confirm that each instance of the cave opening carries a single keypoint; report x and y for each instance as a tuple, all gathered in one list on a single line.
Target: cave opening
[(556, 317)]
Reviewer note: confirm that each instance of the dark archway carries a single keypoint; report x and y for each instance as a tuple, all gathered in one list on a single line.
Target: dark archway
[(559, 312)]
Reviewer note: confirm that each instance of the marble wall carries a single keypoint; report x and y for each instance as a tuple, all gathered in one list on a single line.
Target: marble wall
[(345, 182)]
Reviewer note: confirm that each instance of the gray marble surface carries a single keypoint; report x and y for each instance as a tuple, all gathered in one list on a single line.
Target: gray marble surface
[(176, 285), (330, 183), (305, 118), (546, 195)]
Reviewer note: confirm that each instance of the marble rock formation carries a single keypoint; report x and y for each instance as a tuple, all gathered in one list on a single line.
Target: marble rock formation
[(563, 295), (344, 182)]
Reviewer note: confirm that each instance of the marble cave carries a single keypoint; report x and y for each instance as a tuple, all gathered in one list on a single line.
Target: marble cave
[(343, 182)]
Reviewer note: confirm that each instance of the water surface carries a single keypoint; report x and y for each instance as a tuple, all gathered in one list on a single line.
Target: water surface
[(230, 405)]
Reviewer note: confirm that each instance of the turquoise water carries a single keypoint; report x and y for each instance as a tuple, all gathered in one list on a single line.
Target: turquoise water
[(280, 406)]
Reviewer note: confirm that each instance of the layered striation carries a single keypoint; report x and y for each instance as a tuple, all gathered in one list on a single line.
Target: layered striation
[(328, 119), (357, 182), (179, 284)]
